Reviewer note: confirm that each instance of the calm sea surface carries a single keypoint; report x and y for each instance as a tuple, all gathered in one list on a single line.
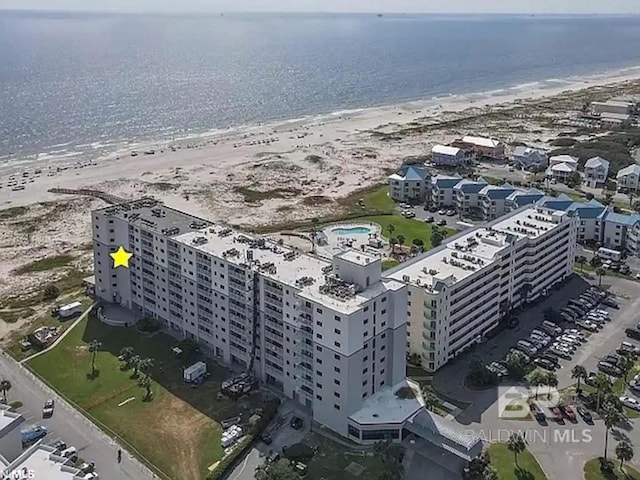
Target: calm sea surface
[(77, 85)]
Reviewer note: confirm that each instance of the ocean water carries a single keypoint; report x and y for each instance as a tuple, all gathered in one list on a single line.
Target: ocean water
[(74, 86)]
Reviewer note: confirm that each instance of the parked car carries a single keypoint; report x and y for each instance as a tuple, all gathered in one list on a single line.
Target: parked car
[(442, 223), (610, 302), (633, 333), (576, 333), (59, 446), (565, 345), (537, 412), (560, 353), (627, 348), (433, 209), (544, 363), (442, 212), (612, 359), (587, 325), (568, 412), (630, 402), (584, 413), (557, 414), (430, 219), (70, 452), (550, 327), (409, 214), (266, 439), (609, 369), (273, 457), (540, 333), (552, 358), (296, 423), (47, 410), (451, 213)]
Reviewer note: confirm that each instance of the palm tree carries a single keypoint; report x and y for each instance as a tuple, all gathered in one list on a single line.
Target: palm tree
[(579, 373), (611, 417), (135, 363), (126, 353), (5, 386), (94, 346), (393, 242), (624, 452), (603, 385), (538, 378), (490, 473), (516, 445), (145, 364), (601, 272), (581, 261), (524, 291), (401, 239), (391, 228), (626, 364), (551, 381), (145, 382)]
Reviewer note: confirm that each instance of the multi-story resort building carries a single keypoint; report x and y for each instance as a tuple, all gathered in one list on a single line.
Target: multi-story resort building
[(459, 291), (328, 334)]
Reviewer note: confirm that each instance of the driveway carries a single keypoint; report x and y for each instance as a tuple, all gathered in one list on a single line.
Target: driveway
[(282, 435), (69, 425)]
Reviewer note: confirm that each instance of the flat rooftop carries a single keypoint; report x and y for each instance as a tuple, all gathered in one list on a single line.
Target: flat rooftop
[(154, 216), (44, 465), (463, 255), (390, 404), (303, 272), (9, 420)]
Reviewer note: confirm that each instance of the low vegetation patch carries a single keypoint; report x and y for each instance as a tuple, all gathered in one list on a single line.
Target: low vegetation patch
[(254, 196), (599, 469), (502, 460), (13, 212), (45, 264)]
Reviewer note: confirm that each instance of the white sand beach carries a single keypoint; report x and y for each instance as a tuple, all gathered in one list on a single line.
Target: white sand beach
[(326, 156)]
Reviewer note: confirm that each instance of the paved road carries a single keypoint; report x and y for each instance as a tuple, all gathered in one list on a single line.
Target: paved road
[(69, 425)]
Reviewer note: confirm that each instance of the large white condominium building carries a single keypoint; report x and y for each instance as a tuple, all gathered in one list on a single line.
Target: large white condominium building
[(460, 290), (330, 335)]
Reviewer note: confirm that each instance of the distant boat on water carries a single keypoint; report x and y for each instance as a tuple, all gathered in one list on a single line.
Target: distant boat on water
[(380, 15)]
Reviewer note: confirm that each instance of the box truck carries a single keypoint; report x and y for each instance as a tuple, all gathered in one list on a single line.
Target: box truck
[(69, 310), (195, 371)]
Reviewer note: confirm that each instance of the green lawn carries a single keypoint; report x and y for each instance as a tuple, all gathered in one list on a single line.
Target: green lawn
[(592, 471), (409, 228), (502, 459), (387, 264), (177, 431)]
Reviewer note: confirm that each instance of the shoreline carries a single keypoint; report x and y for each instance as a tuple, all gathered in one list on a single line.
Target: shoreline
[(273, 174), (445, 101)]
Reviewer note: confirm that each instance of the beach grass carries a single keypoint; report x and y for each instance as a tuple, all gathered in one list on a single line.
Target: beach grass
[(503, 461), (178, 431), (592, 471), (45, 264)]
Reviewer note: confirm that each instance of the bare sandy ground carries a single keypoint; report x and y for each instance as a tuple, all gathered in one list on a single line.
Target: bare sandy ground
[(327, 156)]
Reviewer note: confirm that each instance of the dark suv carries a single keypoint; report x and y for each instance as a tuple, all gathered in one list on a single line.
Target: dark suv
[(296, 423)]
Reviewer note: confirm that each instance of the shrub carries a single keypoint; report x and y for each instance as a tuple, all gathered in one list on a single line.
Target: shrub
[(147, 325), (51, 292), (15, 405)]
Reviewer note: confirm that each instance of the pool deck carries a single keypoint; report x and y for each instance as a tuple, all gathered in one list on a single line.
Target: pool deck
[(338, 243)]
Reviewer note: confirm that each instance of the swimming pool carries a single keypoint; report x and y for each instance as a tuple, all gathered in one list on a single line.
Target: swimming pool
[(351, 230)]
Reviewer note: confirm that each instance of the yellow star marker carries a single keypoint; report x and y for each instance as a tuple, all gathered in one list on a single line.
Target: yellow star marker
[(121, 258)]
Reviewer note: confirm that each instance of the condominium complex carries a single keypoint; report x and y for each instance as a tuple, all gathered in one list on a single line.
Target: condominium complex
[(459, 291), (328, 334)]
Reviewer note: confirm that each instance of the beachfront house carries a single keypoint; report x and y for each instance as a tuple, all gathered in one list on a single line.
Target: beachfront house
[(527, 158), (466, 196), (596, 170), (410, 184), (561, 167), (442, 194), (628, 178), (493, 200), (444, 155), (615, 120), (481, 147), (612, 106)]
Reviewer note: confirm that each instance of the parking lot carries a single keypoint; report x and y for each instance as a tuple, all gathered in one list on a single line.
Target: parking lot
[(421, 212), (605, 340)]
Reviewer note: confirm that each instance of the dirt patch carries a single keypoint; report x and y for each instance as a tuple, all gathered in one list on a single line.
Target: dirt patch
[(253, 196)]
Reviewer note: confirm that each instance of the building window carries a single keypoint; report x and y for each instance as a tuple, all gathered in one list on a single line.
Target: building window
[(337, 331), (336, 369), (354, 432), (337, 344), (336, 406), (389, 433)]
